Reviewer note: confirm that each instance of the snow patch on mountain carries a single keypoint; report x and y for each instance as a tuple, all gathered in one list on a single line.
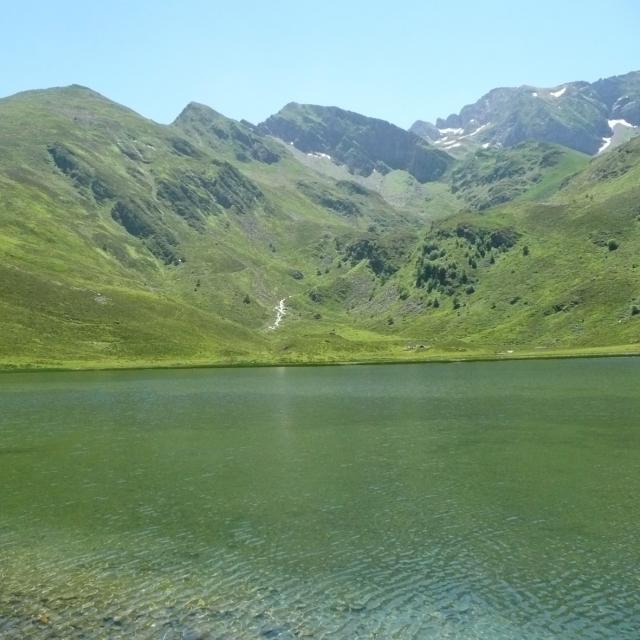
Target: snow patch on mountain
[(605, 144), (478, 130), (622, 123), (453, 138), (619, 134), (559, 93)]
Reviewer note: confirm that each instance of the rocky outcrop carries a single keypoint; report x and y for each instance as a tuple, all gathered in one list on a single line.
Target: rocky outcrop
[(363, 144)]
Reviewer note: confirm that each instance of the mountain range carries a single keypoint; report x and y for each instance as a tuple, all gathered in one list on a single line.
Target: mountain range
[(319, 235), (587, 117)]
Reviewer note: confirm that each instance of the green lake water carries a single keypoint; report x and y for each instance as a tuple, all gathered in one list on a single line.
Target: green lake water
[(479, 500)]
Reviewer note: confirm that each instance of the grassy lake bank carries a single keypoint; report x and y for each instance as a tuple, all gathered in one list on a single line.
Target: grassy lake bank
[(407, 357)]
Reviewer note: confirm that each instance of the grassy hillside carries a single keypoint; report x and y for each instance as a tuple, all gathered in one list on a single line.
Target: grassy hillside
[(535, 276), (124, 242), (533, 170), (528, 278), (127, 241)]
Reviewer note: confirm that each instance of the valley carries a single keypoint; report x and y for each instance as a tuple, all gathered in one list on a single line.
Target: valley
[(320, 235)]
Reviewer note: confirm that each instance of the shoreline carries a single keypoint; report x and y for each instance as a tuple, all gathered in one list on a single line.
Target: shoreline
[(443, 358)]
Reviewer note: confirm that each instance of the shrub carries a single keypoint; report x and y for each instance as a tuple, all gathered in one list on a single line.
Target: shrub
[(613, 245)]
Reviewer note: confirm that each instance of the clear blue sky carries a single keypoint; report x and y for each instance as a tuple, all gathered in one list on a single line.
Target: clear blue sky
[(400, 60)]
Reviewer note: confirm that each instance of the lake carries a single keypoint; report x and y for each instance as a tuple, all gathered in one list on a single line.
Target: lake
[(478, 500)]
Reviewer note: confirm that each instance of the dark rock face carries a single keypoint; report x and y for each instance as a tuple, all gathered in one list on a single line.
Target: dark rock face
[(627, 109), (183, 200), (138, 222), (618, 92), (362, 144), (454, 121), (232, 190), (82, 176), (184, 147), (193, 196), (425, 130)]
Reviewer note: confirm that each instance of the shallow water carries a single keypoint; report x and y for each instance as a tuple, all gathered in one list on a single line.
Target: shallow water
[(480, 500)]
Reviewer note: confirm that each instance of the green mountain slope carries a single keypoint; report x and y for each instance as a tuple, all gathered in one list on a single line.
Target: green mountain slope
[(531, 170), (126, 242), (535, 277)]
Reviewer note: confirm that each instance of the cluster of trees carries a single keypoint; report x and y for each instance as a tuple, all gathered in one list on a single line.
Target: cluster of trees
[(451, 256)]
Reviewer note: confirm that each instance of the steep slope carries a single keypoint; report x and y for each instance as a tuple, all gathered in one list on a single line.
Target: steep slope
[(578, 115), (363, 144), (621, 95), (122, 240), (225, 135)]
